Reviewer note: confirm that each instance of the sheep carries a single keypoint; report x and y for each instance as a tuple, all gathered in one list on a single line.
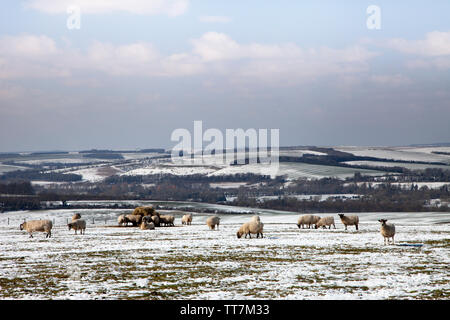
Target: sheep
[(308, 219), (134, 219), (349, 220), (76, 216), (254, 226), (187, 219), (147, 225), (78, 225), (38, 225), (387, 230), (167, 220), (326, 221), (122, 220), (156, 220), (212, 222), (145, 211)]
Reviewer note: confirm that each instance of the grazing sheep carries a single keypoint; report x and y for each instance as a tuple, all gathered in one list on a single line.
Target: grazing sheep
[(167, 220), (147, 225), (254, 226), (122, 220), (134, 219), (156, 220), (78, 225), (212, 222), (308, 219), (187, 219), (38, 225), (349, 220), (324, 222), (387, 230), (76, 216)]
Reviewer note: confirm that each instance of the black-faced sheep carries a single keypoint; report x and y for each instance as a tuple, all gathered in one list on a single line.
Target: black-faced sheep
[(78, 225), (38, 226), (387, 230), (326, 221), (308, 220), (349, 220), (254, 226)]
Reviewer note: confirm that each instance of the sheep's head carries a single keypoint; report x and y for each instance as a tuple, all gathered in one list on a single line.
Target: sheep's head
[(239, 234), (70, 226), (341, 215), (383, 221), (22, 225)]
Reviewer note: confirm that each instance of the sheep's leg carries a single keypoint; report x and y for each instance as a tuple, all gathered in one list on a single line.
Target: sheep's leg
[(356, 227), (31, 235), (393, 242), (345, 227)]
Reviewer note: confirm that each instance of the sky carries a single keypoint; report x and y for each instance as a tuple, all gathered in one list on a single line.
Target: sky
[(136, 70)]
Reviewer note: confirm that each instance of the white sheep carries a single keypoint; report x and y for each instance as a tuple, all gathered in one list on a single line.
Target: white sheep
[(78, 225), (167, 220), (134, 219), (349, 220), (326, 221), (308, 219), (187, 219), (147, 225), (122, 220), (254, 226), (38, 225), (212, 222), (387, 230)]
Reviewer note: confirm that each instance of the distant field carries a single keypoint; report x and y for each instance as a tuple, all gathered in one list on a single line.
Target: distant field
[(411, 166), (192, 262), (402, 154)]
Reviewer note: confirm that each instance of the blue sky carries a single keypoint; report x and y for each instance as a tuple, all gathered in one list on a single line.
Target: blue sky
[(135, 72)]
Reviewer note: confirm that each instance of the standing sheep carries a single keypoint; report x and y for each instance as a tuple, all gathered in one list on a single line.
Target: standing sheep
[(349, 220), (167, 220), (122, 220), (78, 225), (254, 226), (308, 219), (212, 222), (326, 221), (387, 230), (38, 225), (187, 219), (134, 219)]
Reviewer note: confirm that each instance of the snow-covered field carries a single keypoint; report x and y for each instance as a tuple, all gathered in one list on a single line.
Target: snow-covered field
[(296, 170), (192, 262), (399, 153), (410, 166)]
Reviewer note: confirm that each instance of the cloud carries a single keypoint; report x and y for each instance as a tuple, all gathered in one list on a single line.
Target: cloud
[(391, 80), (142, 7), (435, 44), (214, 19), (213, 53)]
